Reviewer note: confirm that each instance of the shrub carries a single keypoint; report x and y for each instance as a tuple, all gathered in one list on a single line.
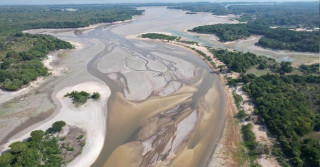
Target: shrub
[(78, 97), (57, 126), (95, 96)]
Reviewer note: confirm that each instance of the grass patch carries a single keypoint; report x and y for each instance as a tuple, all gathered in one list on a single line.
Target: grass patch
[(237, 99), (241, 154), (249, 141)]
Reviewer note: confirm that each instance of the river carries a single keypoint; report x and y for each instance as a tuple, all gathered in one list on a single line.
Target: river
[(167, 108)]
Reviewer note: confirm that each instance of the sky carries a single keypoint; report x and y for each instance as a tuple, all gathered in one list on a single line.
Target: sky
[(48, 2)]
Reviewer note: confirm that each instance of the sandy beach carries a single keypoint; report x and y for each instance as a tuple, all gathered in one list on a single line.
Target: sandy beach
[(90, 117)]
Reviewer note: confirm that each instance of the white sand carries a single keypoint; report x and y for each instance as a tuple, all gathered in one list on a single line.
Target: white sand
[(89, 117), (77, 45)]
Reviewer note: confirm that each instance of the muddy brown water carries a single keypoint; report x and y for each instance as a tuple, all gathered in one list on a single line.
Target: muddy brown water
[(179, 129), (126, 119), (199, 101)]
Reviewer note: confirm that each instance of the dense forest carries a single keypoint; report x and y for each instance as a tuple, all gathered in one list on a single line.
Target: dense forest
[(238, 61), (42, 149), (21, 54), (259, 18), (287, 14), (18, 18), (21, 58), (285, 104), (279, 38), (310, 69), (242, 62)]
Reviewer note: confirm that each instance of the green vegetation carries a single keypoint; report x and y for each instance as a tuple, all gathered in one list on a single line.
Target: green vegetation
[(79, 98), (259, 18), (241, 62), (191, 13), (286, 14), (41, 149), (225, 32), (186, 42), (215, 8), (167, 37), (241, 115), (285, 106), (20, 58), (279, 38), (159, 36), (95, 96), (310, 69), (237, 99), (18, 18), (249, 141), (208, 58), (57, 126), (285, 67)]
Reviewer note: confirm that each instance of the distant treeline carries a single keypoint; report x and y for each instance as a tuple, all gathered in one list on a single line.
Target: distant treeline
[(279, 38), (20, 18), (297, 14), (259, 18)]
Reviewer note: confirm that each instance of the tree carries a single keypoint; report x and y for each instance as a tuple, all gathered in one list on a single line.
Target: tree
[(18, 147), (285, 67), (57, 126), (37, 135), (5, 159)]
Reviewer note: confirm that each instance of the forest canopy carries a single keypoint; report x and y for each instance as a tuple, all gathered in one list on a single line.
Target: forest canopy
[(286, 14), (259, 17), (284, 103), (18, 18), (20, 66), (279, 38)]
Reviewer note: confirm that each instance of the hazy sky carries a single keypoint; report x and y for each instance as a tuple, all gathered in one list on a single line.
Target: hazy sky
[(42, 2)]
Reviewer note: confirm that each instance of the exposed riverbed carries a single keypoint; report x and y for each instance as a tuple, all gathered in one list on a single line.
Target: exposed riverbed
[(166, 108)]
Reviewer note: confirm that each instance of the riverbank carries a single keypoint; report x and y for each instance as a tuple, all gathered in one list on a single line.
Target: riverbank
[(48, 62), (226, 147), (230, 140), (90, 117)]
